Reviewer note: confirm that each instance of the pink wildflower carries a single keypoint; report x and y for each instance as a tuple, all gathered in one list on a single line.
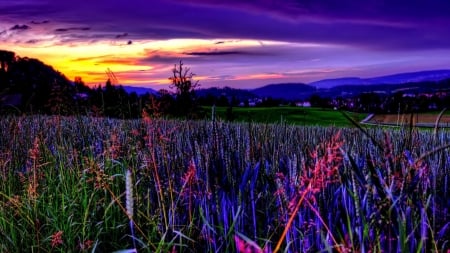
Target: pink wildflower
[(56, 239)]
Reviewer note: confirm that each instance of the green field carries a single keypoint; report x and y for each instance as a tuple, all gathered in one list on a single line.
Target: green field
[(290, 115)]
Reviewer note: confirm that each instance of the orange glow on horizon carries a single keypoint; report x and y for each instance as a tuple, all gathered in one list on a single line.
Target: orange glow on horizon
[(142, 63)]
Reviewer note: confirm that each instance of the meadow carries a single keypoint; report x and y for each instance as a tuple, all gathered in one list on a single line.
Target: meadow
[(304, 116), (85, 184)]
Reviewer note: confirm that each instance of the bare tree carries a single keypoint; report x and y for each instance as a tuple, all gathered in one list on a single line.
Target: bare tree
[(182, 81)]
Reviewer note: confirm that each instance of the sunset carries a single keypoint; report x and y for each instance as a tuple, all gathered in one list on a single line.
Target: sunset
[(236, 44), (215, 126)]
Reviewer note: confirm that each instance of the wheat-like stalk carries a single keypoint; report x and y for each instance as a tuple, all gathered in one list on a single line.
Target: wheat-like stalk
[(129, 205), (129, 194)]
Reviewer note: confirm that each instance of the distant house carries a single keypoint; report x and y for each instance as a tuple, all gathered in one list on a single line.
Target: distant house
[(432, 106), (251, 102), (409, 95), (303, 104)]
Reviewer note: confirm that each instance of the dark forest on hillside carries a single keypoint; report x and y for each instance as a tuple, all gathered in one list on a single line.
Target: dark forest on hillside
[(28, 86)]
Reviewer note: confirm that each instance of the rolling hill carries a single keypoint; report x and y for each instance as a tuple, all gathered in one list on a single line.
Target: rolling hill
[(139, 90), (288, 91), (401, 78)]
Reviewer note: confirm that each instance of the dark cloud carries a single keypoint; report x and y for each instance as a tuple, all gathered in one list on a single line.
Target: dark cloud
[(215, 53), (72, 29), (123, 35), (39, 22), (19, 27), (91, 58), (160, 59), (225, 42), (223, 77)]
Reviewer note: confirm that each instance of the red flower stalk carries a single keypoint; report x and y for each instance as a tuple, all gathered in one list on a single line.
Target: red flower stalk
[(56, 239)]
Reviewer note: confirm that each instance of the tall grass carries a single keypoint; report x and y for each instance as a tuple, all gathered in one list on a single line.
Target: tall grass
[(100, 185)]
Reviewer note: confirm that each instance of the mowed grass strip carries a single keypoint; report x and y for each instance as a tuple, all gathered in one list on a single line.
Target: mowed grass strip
[(286, 114)]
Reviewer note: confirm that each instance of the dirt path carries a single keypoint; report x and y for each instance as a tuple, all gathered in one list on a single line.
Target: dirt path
[(425, 119)]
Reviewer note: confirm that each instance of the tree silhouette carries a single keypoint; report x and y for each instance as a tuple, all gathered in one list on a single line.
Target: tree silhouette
[(34, 81), (6, 58), (60, 100), (182, 81)]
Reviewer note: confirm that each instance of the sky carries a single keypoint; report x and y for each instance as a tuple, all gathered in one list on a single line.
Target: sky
[(235, 43)]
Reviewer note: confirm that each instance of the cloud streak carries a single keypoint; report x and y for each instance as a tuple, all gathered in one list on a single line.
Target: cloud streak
[(19, 27), (216, 53), (72, 29)]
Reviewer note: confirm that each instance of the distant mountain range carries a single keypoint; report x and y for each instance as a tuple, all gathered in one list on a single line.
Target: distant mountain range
[(411, 77), (239, 94), (139, 90), (413, 82)]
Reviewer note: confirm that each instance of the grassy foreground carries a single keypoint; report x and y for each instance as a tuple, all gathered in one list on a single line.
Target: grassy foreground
[(101, 185)]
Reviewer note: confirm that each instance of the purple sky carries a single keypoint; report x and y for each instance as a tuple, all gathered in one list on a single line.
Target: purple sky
[(229, 43)]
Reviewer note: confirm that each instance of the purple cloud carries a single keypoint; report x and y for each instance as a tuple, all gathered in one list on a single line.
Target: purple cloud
[(19, 27), (160, 58), (123, 35), (370, 24), (32, 41), (72, 29), (39, 22)]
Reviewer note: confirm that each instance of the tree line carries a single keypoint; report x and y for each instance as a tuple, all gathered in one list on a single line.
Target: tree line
[(28, 86)]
